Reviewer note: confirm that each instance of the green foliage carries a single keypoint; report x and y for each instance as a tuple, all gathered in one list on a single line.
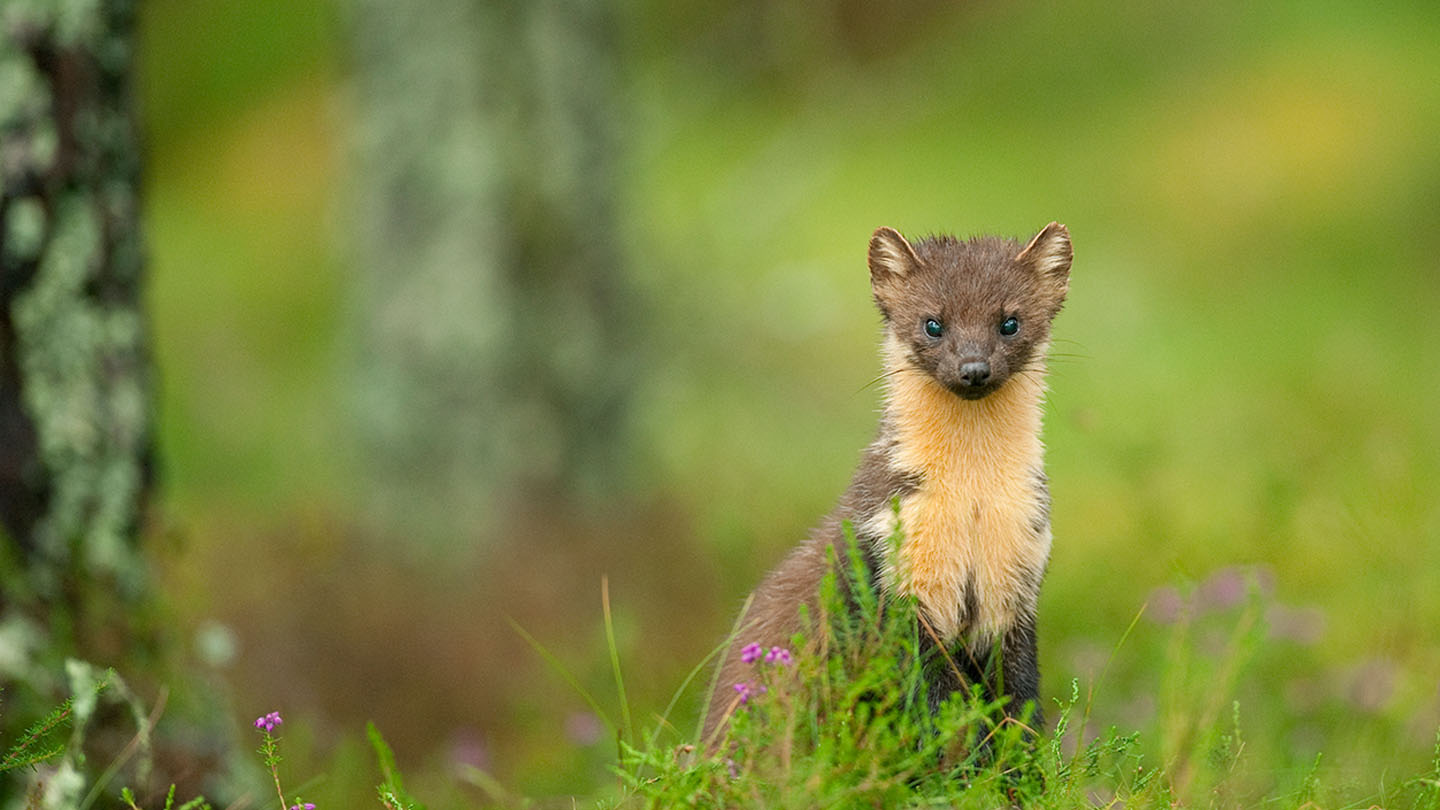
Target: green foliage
[(845, 722), (68, 784), (34, 746), (849, 726), (392, 790), (1428, 786), (197, 803)]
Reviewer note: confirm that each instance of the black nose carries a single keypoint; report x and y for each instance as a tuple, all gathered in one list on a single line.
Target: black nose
[(975, 373)]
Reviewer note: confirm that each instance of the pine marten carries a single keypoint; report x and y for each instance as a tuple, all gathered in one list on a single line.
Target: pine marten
[(966, 330)]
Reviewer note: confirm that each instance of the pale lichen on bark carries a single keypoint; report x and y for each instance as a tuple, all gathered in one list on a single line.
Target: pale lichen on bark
[(494, 323), (73, 361)]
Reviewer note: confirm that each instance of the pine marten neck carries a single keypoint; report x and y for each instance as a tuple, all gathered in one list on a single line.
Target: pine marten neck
[(967, 325), (967, 530), (936, 430)]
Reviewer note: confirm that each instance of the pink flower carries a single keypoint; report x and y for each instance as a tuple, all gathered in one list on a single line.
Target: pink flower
[(778, 655), (751, 652), (746, 689), (269, 722)]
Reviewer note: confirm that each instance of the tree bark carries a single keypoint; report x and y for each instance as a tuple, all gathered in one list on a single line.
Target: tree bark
[(75, 381), (493, 319), (74, 372)]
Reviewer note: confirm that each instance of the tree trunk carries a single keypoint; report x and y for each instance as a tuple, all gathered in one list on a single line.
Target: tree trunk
[(75, 383), (492, 315), (74, 373)]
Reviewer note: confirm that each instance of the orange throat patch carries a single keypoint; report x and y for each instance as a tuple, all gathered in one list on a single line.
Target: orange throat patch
[(969, 531)]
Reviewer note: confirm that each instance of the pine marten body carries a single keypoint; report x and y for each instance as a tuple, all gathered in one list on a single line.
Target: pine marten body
[(967, 325)]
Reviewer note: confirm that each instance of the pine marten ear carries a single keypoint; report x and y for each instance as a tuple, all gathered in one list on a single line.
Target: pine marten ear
[(1050, 254), (891, 257)]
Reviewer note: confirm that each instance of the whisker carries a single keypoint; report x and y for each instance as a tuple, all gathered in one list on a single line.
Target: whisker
[(886, 374), (867, 386)]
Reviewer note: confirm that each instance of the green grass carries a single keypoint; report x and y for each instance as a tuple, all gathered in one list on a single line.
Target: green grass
[(847, 725)]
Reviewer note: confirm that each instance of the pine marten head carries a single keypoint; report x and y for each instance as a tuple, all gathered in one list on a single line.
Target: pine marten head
[(970, 314)]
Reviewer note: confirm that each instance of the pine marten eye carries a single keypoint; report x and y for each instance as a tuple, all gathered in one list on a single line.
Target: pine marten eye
[(1009, 326), (934, 328)]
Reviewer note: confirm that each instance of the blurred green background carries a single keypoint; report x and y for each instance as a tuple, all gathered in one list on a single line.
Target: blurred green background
[(1246, 371)]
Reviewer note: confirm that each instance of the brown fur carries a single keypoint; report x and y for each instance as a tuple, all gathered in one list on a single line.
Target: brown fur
[(960, 452)]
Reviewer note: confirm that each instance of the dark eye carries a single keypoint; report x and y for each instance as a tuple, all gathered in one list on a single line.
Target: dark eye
[(933, 328), (1009, 326)]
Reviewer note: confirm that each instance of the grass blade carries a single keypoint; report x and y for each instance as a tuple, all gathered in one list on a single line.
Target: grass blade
[(615, 659), (564, 673)]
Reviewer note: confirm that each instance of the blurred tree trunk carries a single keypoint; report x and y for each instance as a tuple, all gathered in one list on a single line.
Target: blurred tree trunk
[(74, 374), (493, 318), (75, 383)]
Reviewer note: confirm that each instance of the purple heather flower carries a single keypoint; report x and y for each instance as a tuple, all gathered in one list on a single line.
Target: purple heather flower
[(1165, 605), (269, 722), (468, 748), (751, 652), (778, 655), (305, 806), (583, 728), (746, 689), (1372, 684), (1223, 589)]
